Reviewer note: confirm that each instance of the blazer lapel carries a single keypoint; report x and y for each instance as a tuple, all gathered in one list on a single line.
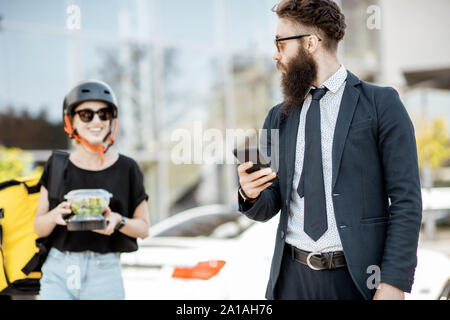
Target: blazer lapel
[(346, 111)]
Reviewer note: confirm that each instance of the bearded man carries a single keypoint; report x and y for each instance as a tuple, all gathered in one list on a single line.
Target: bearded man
[(348, 184)]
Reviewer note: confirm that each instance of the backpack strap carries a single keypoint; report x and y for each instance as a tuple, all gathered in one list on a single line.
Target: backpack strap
[(58, 167), (8, 184), (3, 257), (2, 215), (37, 260)]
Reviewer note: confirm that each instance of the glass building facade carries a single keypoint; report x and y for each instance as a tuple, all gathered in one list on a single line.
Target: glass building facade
[(172, 63)]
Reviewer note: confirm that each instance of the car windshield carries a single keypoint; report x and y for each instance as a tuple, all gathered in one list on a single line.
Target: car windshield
[(217, 226)]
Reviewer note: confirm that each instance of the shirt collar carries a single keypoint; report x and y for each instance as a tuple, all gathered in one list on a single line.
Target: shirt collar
[(335, 82)]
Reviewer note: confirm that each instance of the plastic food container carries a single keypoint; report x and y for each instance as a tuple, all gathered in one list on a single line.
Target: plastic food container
[(86, 202), (88, 206)]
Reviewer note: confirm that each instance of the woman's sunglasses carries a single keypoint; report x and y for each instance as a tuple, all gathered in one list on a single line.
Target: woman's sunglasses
[(86, 115)]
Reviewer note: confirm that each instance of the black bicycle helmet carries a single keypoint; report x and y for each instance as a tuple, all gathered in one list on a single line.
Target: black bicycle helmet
[(90, 90)]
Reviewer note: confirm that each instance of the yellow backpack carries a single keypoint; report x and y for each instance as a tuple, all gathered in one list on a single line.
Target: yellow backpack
[(21, 252), (18, 203)]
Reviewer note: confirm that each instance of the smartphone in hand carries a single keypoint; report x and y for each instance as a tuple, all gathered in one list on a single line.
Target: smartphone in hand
[(252, 154)]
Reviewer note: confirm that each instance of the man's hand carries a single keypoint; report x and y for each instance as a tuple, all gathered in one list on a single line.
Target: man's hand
[(387, 292), (113, 219), (254, 183)]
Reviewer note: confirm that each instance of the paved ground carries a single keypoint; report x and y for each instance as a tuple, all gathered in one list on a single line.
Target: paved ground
[(440, 243)]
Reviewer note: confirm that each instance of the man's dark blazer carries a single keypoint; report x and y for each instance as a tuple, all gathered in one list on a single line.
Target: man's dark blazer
[(375, 186)]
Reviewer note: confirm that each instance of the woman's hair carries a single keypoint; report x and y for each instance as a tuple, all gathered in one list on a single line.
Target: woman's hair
[(325, 15)]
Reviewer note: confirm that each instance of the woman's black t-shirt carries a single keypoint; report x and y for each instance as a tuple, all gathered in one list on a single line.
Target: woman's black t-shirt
[(124, 180)]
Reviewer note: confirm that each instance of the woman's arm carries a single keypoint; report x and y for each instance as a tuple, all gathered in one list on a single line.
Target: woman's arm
[(45, 221), (139, 225), (136, 227)]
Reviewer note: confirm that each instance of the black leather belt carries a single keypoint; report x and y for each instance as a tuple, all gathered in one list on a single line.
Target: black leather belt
[(317, 260)]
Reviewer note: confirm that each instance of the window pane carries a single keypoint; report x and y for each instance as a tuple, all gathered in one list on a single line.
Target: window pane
[(43, 12), (187, 21), (34, 72), (101, 15), (252, 25), (189, 77), (256, 84)]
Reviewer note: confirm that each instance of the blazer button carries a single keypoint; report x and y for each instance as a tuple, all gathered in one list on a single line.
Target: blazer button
[(282, 234)]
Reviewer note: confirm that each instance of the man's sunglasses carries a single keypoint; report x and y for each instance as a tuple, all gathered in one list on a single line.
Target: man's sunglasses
[(86, 115), (277, 41)]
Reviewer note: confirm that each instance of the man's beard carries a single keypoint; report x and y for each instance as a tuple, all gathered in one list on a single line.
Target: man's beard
[(299, 75)]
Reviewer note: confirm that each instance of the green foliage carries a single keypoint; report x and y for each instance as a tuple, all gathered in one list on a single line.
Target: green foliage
[(433, 143), (16, 163)]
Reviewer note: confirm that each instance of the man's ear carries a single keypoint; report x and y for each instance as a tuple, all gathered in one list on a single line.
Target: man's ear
[(312, 43)]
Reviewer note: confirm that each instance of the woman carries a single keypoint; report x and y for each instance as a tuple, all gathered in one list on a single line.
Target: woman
[(86, 264)]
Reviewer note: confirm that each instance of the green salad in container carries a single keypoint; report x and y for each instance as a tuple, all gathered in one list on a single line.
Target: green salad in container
[(87, 202)]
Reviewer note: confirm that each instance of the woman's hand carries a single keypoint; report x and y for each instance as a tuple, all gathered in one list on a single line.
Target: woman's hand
[(113, 219), (58, 213)]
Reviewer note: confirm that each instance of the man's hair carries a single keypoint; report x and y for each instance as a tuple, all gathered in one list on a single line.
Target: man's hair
[(324, 15)]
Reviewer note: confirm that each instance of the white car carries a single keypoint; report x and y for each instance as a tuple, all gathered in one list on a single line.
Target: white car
[(212, 234), (235, 254)]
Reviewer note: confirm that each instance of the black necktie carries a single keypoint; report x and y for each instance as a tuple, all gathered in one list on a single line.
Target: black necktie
[(311, 185)]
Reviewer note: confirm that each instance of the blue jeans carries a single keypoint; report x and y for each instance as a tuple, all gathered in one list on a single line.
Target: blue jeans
[(81, 276)]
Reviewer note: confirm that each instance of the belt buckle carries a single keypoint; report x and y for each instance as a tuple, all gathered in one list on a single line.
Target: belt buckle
[(308, 262)]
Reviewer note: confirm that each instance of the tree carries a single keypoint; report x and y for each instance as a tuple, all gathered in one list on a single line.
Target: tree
[(22, 130), (15, 163), (433, 143)]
